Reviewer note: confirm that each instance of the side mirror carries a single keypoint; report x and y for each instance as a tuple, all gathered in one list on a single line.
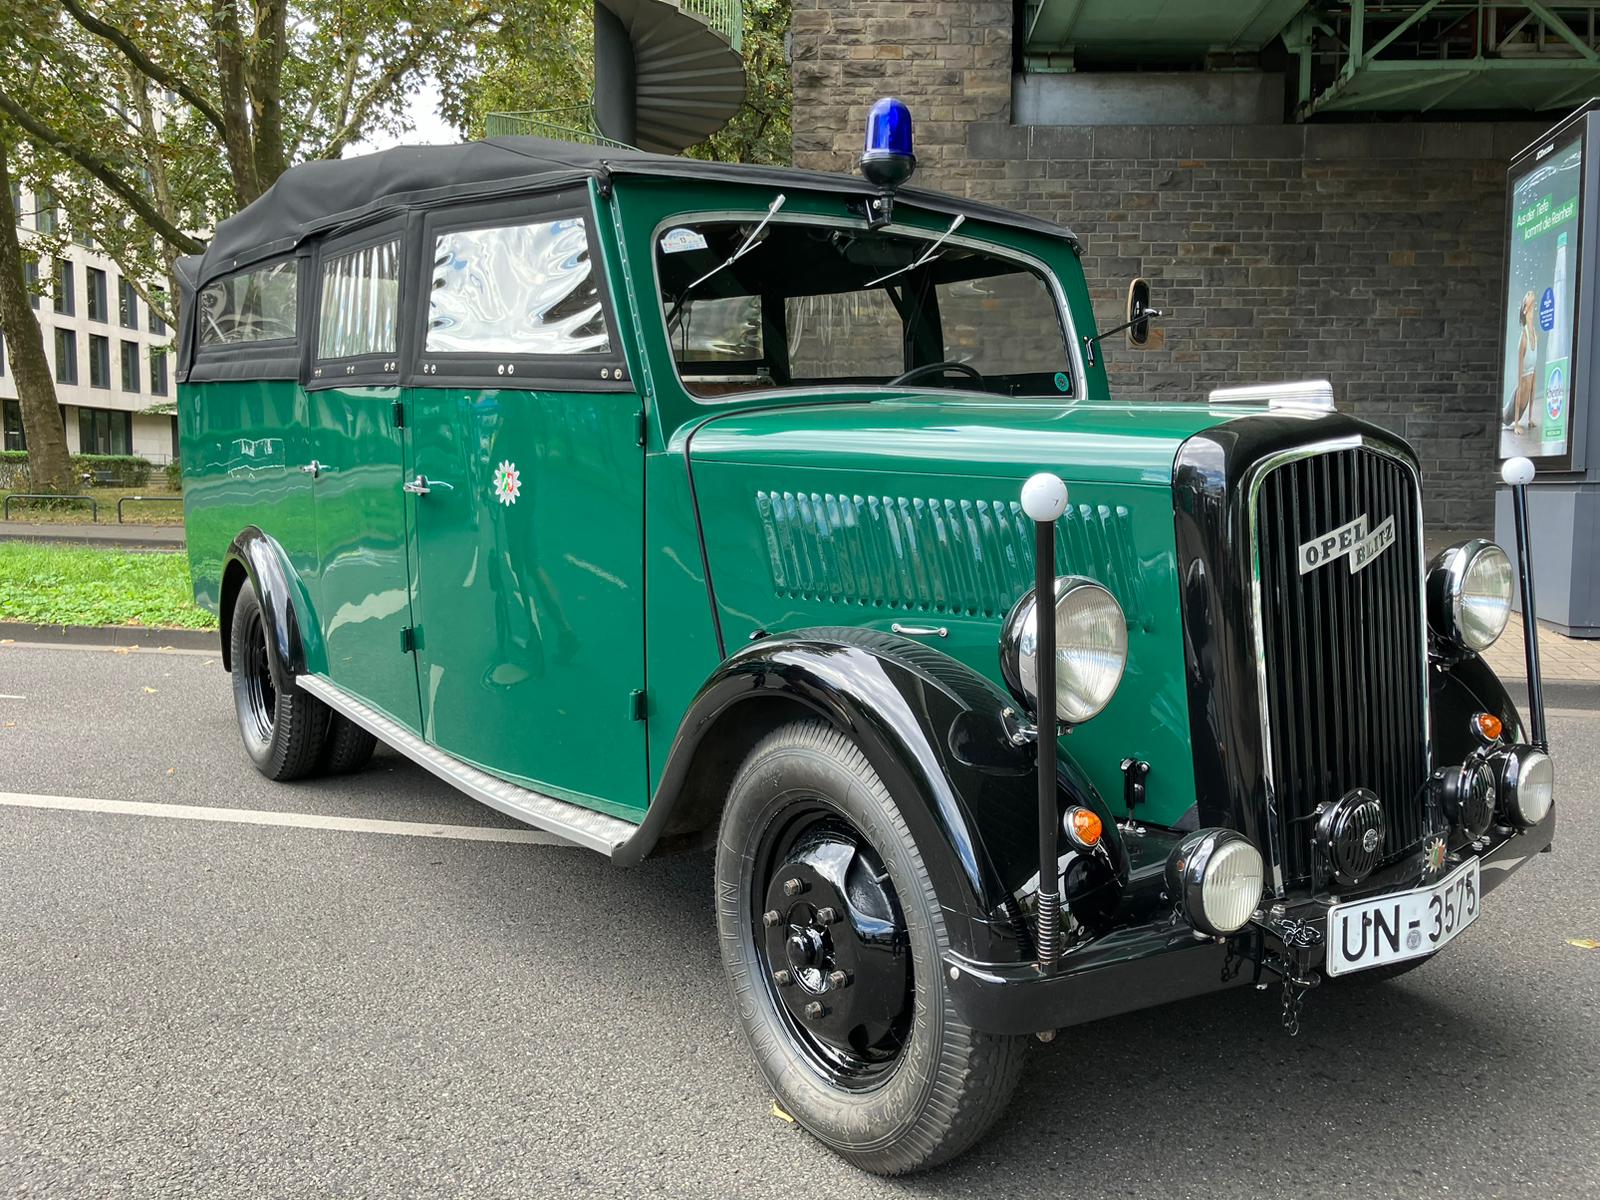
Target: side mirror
[(1139, 312)]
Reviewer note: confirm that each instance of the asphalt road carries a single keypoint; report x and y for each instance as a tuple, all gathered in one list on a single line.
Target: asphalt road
[(214, 1009)]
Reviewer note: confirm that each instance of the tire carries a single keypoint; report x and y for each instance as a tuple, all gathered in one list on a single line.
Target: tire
[(283, 730), (886, 1074), (347, 748)]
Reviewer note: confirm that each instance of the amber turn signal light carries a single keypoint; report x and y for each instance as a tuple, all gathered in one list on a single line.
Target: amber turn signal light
[(1082, 826), (1489, 726)]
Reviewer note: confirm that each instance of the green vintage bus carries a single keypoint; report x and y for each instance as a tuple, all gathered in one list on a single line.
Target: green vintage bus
[(667, 504)]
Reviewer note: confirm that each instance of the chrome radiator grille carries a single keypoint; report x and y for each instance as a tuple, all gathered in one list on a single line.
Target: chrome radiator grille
[(1343, 648)]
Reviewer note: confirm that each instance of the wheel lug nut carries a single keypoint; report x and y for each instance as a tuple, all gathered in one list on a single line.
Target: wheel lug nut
[(771, 917), (816, 1010), (826, 916), (782, 978), (838, 979), (793, 887)]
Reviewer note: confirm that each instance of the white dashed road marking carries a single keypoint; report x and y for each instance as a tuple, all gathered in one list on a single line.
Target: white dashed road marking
[(252, 816)]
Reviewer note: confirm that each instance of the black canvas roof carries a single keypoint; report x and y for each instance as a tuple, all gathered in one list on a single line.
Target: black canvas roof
[(316, 197)]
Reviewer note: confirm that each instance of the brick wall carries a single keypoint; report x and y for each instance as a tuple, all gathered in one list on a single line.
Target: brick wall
[(1366, 253)]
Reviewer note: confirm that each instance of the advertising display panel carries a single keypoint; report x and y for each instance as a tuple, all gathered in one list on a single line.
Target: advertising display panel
[(1541, 311)]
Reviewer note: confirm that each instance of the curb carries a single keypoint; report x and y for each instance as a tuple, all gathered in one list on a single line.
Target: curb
[(149, 636), (1560, 693)]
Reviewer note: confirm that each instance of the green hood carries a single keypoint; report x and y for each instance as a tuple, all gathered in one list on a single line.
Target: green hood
[(906, 512)]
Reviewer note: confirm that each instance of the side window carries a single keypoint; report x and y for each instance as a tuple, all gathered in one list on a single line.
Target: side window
[(360, 302), (515, 290), (257, 305)]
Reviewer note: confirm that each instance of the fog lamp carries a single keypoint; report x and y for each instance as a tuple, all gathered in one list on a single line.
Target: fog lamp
[(887, 160), (1469, 594), (1216, 876), (1527, 779)]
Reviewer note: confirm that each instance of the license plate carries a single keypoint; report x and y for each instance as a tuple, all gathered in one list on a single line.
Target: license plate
[(1391, 929)]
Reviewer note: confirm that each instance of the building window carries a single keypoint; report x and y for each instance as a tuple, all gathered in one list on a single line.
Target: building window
[(15, 439), (30, 275), (157, 297), (127, 305), (99, 361), (103, 432), (62, 288), (2, 354), (66, 356), (158, 371), (95, 285), (46, 216), (130, 366)]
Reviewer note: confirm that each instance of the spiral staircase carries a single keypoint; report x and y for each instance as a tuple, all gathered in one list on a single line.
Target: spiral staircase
[(668, 74)]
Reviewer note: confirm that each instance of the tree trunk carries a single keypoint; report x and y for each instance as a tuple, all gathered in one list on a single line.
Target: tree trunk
[(49, 469)]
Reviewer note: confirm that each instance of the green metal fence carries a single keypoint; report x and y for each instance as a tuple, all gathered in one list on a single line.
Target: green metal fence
[(574, 123), (725, 16)]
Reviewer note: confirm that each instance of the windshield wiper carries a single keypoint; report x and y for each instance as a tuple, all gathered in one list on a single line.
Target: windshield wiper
[(928, 255), (749, 244)]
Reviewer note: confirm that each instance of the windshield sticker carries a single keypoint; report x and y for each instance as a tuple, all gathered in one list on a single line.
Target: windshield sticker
[(507, 483), (1063, 382), (676, 241)]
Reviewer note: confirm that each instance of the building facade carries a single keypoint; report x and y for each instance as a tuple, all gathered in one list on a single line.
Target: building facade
[(109, 350), (1367, 250)]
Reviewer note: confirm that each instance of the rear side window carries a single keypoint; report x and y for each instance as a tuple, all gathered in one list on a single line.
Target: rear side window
[(360, 302), (515, 290), (257, 305)]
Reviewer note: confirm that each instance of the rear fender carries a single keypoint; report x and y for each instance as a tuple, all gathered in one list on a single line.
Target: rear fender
[(935, 732)]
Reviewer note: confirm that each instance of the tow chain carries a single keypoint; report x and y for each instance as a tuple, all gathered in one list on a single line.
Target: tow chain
[(1299, 938), (1293, 1002), (1231, 963)]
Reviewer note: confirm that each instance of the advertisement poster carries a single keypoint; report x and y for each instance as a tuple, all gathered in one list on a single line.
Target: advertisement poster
[(1541, 283)]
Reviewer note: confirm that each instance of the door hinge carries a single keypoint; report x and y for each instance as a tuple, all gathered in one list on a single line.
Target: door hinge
[(410, 639), (639, 428), (636, 705), (399, 414)]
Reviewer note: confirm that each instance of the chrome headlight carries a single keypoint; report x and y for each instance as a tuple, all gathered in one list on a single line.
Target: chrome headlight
[(1216, 877), (1469, 594), (1091, 649)]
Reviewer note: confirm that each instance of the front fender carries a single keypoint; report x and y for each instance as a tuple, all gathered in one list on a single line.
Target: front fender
[(933, 730), (1458, 690), (285, 605)]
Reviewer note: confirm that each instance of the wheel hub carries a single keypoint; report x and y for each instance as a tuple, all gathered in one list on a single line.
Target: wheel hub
[(836, 948)]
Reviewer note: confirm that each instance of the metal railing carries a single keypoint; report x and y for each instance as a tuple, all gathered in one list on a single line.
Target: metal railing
[(146, 500), (726, 17), (574, 123), (5, 509)]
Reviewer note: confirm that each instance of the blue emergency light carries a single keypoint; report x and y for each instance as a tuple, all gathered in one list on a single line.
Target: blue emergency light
[(887, 160)]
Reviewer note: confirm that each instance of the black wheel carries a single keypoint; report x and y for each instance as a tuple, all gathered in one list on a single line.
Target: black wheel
[(832, 937), (347, 748), (283, 730)]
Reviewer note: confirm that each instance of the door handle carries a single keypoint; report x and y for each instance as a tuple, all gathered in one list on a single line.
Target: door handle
[(920, 630), (422, 485)]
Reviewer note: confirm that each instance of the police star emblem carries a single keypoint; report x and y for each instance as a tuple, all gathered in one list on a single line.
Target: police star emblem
[(507, 483), (1433, 852)]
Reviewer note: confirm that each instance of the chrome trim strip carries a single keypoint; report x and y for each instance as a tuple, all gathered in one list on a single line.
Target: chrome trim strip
[(1080, 378), (1307, 395), (594, 830), (1258, 475)]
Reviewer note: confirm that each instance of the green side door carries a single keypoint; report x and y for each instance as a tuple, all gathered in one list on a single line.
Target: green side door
[(364, 587), (527, 508)]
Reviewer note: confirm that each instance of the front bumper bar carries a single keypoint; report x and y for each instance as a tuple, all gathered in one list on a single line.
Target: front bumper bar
[(1141, 966)]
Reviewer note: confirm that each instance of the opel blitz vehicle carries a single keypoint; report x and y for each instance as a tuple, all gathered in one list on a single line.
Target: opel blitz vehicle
[(663, 504)]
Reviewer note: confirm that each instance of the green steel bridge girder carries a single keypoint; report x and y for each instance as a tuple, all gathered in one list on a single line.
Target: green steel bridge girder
[(1134, 28)]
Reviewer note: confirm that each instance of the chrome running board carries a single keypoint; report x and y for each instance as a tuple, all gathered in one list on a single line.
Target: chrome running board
[(570, 821)]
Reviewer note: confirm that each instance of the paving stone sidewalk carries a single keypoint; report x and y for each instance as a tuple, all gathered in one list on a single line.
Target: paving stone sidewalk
[(1564, 659)]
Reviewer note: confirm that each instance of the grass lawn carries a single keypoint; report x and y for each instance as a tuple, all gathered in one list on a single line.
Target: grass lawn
[(81, 585), (71, 512)]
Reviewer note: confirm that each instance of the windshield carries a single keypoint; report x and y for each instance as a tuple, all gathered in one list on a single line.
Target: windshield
[(809, 306)]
